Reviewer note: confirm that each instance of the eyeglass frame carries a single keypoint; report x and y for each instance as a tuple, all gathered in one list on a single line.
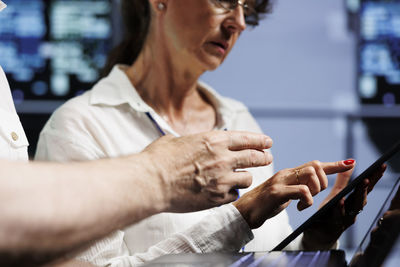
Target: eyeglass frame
[(252, 11)]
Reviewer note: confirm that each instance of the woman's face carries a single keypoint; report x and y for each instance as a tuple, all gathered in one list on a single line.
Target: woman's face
[(199, 33)]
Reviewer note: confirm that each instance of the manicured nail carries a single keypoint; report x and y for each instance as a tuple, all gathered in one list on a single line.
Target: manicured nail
[(349, 162)]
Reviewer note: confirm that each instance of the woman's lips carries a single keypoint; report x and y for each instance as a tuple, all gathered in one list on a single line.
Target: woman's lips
[(221, 47)]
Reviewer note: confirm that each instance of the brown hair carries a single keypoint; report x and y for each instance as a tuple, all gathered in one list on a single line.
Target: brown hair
[(136, 17)]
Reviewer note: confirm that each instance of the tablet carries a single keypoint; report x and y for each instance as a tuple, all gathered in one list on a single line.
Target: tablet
[(317, 215)]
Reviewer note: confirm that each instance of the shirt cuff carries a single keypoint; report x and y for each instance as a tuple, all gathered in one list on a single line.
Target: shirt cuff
[(230, 231), (104, 251)]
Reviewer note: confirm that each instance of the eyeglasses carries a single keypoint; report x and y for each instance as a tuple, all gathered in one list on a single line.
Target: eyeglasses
[(250, 13)]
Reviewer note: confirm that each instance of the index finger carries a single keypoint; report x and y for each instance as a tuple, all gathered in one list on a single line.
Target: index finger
[(337, 166), (247, 140)]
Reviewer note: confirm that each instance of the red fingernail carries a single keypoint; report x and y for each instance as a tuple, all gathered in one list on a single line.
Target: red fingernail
[(348, 162)]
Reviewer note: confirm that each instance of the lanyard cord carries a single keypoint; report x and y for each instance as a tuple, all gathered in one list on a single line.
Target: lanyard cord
[(155, 123), (158, 126)]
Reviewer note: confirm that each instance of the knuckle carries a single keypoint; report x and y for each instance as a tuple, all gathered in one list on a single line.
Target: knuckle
[(274, 190), (316, 163), (304, 190), (207, 139), (216, 137), (282, 172), (226, 164), (220, 189), (216, 168), (309, 170)]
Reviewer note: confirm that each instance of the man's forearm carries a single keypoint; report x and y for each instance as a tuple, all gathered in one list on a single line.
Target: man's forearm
[(62, 206), (49, 209)]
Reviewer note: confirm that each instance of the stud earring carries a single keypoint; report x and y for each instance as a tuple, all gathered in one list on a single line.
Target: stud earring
[(161, 6)]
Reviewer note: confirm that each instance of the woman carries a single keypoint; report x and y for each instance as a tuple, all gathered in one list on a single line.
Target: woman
[(152, 90)]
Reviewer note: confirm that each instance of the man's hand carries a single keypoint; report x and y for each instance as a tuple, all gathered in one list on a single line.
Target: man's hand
[(200, 171), (275, 194)]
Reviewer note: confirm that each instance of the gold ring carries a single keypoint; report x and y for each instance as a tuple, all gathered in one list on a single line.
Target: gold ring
[(297, 171)]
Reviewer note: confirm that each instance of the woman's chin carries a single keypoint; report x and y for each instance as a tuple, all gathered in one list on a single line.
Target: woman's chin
[(210, 61), (213, 67), (213, 64)]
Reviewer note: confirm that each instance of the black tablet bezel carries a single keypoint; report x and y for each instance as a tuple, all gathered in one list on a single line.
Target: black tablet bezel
[(330, 204)]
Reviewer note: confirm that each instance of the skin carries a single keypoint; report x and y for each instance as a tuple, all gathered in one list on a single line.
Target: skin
[(327, 231), (177, 51), (277, 192), (44, 217), (70, 215), (168, 68)]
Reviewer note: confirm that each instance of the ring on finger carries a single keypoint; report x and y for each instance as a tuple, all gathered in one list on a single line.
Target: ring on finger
[(297, 171)]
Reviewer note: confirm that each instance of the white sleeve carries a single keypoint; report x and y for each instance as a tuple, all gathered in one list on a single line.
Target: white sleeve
[(64, 138), (223, 230), (106, 251)]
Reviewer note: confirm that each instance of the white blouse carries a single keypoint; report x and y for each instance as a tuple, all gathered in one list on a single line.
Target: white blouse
[(112, 120), (13, 142)]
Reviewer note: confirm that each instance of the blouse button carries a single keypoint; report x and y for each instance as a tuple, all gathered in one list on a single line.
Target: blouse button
[(14, 136)]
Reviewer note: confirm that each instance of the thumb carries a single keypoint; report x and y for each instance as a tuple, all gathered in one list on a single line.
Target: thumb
[(341, 181)]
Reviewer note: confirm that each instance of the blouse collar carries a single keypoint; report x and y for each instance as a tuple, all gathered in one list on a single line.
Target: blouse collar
[(116, 89)]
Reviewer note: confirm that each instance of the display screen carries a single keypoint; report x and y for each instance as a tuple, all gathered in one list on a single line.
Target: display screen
[(379, 52), (54, 49)]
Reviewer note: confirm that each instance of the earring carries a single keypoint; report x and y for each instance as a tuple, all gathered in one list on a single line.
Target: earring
[(161, 6)]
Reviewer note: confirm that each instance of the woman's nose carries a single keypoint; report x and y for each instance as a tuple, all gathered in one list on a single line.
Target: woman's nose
[(235, 22)]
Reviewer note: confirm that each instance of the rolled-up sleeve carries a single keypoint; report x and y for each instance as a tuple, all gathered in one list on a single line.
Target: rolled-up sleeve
[(223, 230)]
